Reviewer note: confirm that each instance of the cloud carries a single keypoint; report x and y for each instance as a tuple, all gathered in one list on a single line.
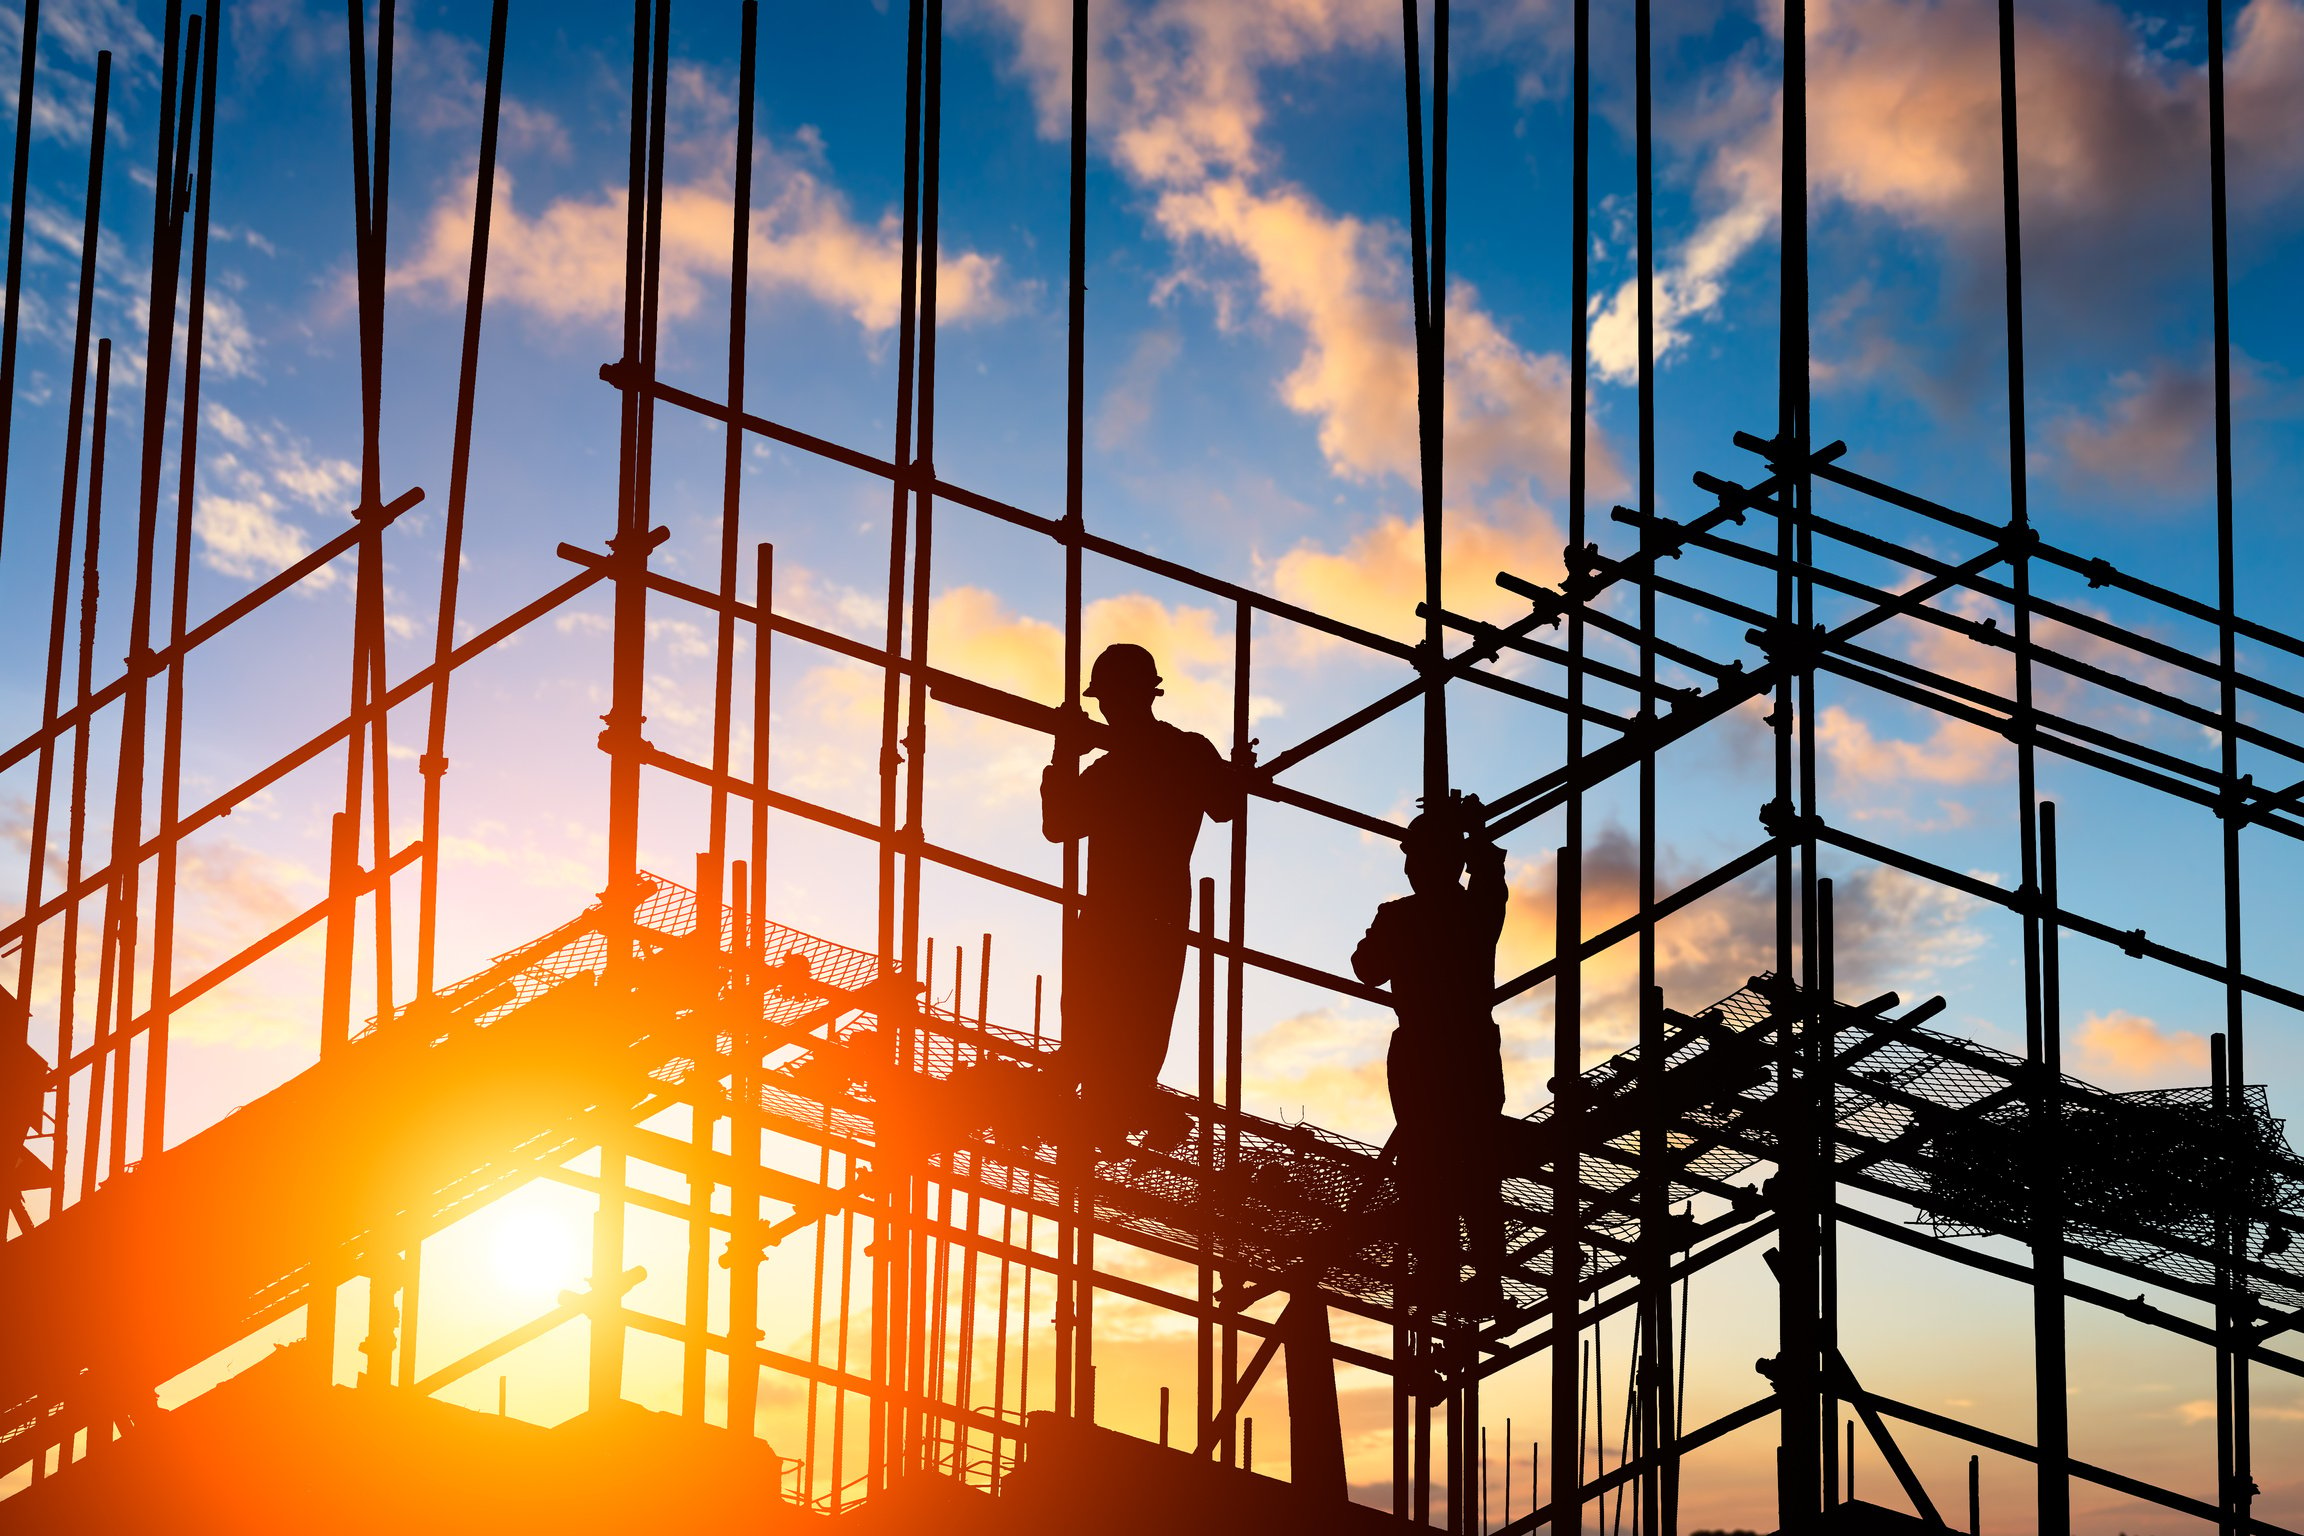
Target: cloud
[(565, 262), (251, 487), (1740, 184), (2149, 439), (1903, 119), (2126, 1049), (974, 633), (1955, 753), (1177, 103), (1172, 85), (1890, 930), (227, 894), (70, 38), (1127, 407), (1327, 1064), (1376, 578)]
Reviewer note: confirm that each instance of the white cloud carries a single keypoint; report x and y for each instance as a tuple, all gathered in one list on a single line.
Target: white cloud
[(566, 261), (255, 491), (1177, 98), (1904, 123)]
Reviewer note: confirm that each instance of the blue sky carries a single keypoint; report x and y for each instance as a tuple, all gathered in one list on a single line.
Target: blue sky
[(1249, 412)]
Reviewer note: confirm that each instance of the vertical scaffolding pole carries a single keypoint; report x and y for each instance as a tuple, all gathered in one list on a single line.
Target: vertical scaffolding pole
[(745, 1256), (732, 454), (116, 990), (1565, 1246), (91, 231), (76, 825), (924, 1305), (651, 40), (172, 726), (644, 240), (1659, 1481), (889, 1340), (23, 167), (1428, 278), (371, 194), (433, 765), (2236, 1484), (1798, 1375), (1069, 1293), (1236, 971), (2052, 1429), (744, 1128), (1205, 1398)]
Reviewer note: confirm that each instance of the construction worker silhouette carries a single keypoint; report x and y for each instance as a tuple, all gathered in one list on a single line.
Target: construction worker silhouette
[(1437, 949), (23, 1092), (1139, 806)]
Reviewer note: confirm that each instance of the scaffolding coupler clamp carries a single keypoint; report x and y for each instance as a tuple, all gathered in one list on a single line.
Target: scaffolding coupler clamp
[(1550, 605), (615, 736), (1660, 537), (1781, 821), (655, 536), (2233, 797)]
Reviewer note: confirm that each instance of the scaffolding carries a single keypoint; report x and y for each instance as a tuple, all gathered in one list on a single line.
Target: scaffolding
[(945, 1171)]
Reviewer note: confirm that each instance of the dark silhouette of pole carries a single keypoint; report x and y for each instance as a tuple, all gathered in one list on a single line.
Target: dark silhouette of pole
[(433, 765)]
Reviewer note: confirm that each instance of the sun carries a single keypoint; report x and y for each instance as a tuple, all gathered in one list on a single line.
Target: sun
[(538, 1250)]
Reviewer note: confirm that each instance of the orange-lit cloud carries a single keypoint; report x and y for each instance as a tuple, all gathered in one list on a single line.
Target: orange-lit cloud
[(1903, 118), (566, 261), (2149, 436), (2123, 1049), (1340, 283), (1177, 101), (973, 632), (1376, 578), (257, 484), (1892, 931), (1954, 753)]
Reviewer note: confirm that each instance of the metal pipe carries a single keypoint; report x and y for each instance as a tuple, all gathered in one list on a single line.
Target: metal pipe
[(92, 545), (172, 728), (1566, 1250), (433, 765), (30, 51), (91, 230), (2236, 1484)]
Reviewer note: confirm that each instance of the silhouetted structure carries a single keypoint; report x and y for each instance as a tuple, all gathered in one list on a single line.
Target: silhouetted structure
[(1436, 949), (1138, 807), (939, 1211)]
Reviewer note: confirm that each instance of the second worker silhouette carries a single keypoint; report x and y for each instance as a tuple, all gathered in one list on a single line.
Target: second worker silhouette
[(1139, 807), (1436, 948)]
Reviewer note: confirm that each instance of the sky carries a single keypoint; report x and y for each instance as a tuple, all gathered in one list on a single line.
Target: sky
[(1249, 411)]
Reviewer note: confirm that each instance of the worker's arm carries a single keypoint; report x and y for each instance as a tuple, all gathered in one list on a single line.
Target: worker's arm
[(1489, 890), (1372, 960), (1225, 782), (1063, 814)]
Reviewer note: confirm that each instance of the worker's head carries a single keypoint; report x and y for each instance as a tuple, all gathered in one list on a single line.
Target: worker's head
[(1124, 682), (1433, 850)]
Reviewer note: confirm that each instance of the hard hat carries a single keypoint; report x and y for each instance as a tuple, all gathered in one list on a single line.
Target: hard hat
[(1446, 827), (1125, 667)]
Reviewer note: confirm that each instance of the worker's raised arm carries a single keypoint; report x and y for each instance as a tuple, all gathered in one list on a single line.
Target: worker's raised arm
[(1372, 960), (1489, 890), (1225, 781), (1062, 813)]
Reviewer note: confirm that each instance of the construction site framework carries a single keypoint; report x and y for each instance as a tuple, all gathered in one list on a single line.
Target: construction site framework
[(105, 1093)]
